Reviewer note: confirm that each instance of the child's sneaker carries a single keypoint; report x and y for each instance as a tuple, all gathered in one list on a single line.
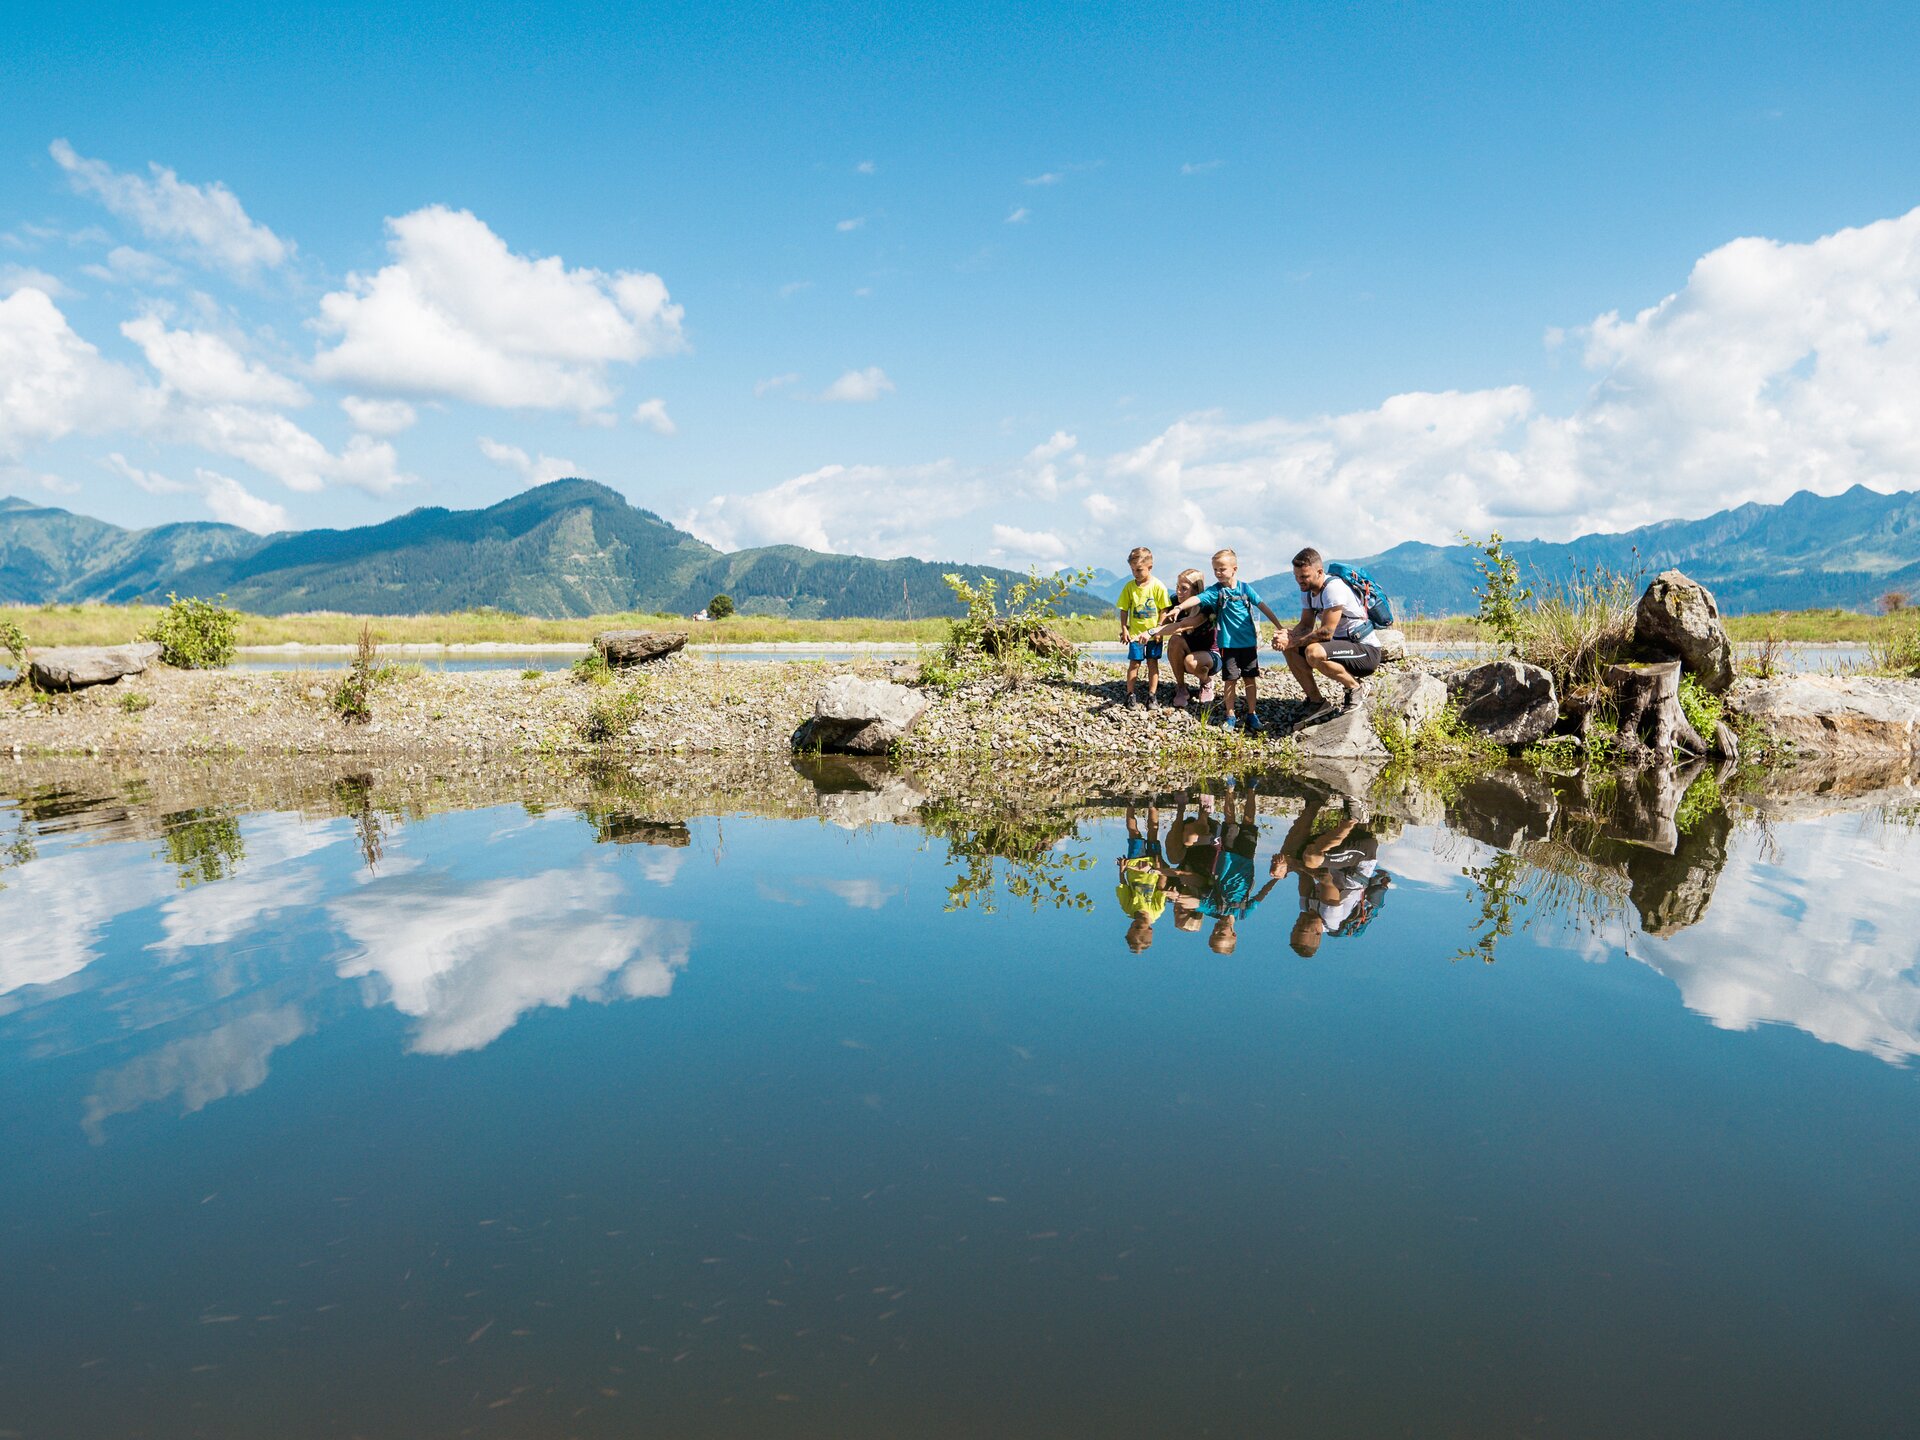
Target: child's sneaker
[(1206, 693), (1253, 725), (1132, 699), (1153, 699), (1229, 722), (1180, 697)]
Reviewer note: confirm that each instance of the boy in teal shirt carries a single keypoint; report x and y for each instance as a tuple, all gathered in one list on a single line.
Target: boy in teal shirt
[(1143, 600), (1232, 605)]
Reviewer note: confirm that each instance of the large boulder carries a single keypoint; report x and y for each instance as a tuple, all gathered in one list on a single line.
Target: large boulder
[(860, 717), (1392, 642), (1678, 619), (637, 647), (1508, 701), (72, 667), (1834, 715), (1347, 736), (1408, 698)]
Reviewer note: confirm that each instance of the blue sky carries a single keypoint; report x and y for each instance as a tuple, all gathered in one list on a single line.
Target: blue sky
[(1078, 277)]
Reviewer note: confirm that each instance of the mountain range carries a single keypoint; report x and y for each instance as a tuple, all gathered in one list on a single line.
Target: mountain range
[(574, 547), (570, 547)]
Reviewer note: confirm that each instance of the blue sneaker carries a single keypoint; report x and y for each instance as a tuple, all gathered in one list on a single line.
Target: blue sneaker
[(1229, 722)]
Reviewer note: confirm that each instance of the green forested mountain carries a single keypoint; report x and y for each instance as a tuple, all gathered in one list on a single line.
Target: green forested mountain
[(571, 547), (1809, 551)]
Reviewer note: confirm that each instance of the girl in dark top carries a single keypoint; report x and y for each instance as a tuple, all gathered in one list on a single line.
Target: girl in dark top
[(1192, 644)]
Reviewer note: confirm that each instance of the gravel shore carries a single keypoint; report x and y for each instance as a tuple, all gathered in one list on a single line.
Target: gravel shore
[(682, 704)]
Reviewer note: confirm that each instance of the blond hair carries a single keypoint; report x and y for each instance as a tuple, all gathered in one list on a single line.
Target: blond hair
[(1226, 555), (1190, 576), (1138, 552)]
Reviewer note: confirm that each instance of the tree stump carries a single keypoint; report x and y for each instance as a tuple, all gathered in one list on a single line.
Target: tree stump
[(1647, 700)]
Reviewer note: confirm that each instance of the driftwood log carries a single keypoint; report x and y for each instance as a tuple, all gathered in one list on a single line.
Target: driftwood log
[(637, 647), (1647, 700)]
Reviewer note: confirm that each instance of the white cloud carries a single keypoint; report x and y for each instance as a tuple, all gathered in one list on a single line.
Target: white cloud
[(536, 470), (1201, 167), (379, 417), (845, 226), (865, 167), (1043, 463), (1050, 177), (230, 1059), (859, 386), (275, 446), (1018, 215), (1027, 547), (151, 481), (794, 287), (653, 415), (202, 366), (775, 382), (458, 314), (19, 277), (53, 383), (205, 220), (232, 503), (128, 266), (877, 510)]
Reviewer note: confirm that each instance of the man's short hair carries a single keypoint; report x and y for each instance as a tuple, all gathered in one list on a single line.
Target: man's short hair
[(1225, 555), (1308, 558), (1138, 552)]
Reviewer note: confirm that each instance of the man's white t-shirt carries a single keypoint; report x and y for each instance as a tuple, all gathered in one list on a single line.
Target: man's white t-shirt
[(1336, 594)]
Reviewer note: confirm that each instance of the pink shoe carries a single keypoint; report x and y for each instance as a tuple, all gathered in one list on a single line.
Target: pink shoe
[(1179, 697), (1206, 693)]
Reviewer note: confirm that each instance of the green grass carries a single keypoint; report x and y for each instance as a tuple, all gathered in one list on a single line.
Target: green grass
[(94, 624)]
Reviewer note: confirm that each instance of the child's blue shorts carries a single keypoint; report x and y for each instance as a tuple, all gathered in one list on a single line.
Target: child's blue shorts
[(1145, 650)]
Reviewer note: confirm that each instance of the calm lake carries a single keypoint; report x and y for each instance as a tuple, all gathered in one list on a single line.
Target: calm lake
[(831, 1102)]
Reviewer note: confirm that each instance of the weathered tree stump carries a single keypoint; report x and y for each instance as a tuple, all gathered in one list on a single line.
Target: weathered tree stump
[(1647, 700), (637, 647)]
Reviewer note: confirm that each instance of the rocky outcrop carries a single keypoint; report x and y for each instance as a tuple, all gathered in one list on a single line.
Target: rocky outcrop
[(1834, 715), (1407, 698), (860, 717), (637, 647), (1678, 619), (1508, 701), (73, 667)]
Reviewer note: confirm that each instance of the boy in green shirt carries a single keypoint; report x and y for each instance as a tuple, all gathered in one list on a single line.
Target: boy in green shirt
[(1143, 600)]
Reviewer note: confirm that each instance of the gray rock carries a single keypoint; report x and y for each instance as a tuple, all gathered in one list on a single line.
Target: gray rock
[(72, 667), (860, 717), (1833, 715), (1412, 696), (1508, 701), (637, 647), (1392, 642), (1347, 736), (1678, 619)]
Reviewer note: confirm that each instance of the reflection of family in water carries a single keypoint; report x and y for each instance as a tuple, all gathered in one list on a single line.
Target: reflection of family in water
[(1205, 868)]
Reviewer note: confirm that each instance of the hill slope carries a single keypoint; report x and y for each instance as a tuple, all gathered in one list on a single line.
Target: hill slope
[(1809, 551), (571, 547)]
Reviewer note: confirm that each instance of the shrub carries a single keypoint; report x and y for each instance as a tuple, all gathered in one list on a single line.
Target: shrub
[(1895, 650), (531, 674), (592, 669), (14, 641), (133, 702), (1894, 601), (611, 716), (720, 607), (353, 697), (1701, 706), (1575, 631), (1013, 647), (196, 634), (1502, 596), (1764, 662)]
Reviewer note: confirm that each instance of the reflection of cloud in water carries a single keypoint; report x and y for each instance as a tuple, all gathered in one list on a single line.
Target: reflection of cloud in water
[(53, 909), (468, 959), (228, 1060), (218, 913), (660, 865), (1823, 938), (860, 894)]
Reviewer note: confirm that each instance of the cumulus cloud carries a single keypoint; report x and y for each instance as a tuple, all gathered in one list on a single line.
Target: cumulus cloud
[(19, 277), (859, 387), (652, 414), (1019, 547), (53, 383), (882, 510), (202, 366), (537, 470), (128, 266), (205, 221), (232, 503), (275, 446), (151, 481), (457, 314), (379, 417)]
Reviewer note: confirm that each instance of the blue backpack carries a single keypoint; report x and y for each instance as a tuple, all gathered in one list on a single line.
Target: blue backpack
[(1371, 593), (1369, 906)]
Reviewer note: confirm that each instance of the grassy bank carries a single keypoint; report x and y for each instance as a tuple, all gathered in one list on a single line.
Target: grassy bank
[(113, 624)]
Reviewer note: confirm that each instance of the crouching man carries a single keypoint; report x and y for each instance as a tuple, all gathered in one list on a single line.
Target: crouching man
[(1331, 639)]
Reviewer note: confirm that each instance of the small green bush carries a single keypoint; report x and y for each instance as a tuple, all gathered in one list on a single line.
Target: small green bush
[(14, 641), (1010, 648), (611, 716), (592, 669), (133, 702), (531, 674), (352, 698), (720, 607), (1701, 706), (196, 634), (1502, 597)]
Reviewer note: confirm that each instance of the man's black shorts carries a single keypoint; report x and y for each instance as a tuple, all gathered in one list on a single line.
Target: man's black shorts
[(1356, 659), (1240, 662)]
